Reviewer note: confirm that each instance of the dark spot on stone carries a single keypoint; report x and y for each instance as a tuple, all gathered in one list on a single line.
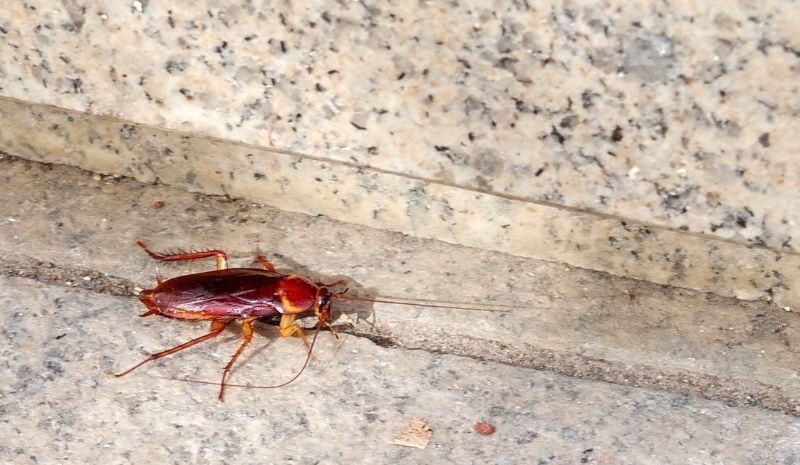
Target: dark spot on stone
[(175, 66), (221, 47), (506, 63), (763, 139), (557, 136), (676, 199), (616, 134), (54, 367), (742, 216), (568, 122), (587, 99), (127, 131), (473, 105)]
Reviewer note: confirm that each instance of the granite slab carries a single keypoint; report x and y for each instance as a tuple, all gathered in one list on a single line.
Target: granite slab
[(681, 114)]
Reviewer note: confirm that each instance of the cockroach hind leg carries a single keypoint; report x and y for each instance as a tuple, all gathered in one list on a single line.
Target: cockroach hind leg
[(216, 327), (220, 255), (247, 332)]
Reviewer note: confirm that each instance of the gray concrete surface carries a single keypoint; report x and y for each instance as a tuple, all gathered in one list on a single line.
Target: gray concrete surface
[(58, 405), (72, 228)]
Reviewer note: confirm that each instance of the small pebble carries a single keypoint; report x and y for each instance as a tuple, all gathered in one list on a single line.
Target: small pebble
[(484, 429)]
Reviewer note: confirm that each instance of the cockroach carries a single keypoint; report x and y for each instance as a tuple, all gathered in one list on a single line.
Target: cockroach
[(247, 294)]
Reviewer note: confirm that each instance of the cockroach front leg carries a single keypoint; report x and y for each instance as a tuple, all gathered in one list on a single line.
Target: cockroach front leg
[(216, 327), (222, 258), (288, 327)]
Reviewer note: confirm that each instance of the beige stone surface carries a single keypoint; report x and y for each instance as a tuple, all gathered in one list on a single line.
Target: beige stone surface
[(682, 114)]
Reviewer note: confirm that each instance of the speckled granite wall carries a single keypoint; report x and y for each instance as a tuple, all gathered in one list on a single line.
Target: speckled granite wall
[(676, 113)]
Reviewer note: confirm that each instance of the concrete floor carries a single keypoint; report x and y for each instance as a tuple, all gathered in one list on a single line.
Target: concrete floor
[(695, 378), (59, 405)]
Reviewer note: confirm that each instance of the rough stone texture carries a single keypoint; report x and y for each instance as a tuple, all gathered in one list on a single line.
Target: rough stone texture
[(676, 113), (65, 226), (59, 405), (496, 130)]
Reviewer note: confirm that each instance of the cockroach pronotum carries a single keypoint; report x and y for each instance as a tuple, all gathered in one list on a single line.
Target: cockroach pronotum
[(227, 294)]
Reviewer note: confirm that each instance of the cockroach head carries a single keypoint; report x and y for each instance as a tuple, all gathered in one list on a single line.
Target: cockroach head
[(322, 303)]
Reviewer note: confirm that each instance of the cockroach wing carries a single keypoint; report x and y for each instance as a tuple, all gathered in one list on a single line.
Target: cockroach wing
[(233, 292)]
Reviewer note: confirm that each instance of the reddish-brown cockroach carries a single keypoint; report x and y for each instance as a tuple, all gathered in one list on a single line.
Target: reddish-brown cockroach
[(227, 294)]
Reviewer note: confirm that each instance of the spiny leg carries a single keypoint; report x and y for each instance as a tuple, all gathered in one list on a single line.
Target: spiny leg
[(222, 258), (216, 327), (247, 332), (159, 278), (266, 263)]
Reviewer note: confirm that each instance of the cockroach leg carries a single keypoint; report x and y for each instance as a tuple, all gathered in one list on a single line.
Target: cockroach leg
[(266, 263), (333, 330), (222, 258), (216, 327), (288, 327), (247, 332), (334, 284)]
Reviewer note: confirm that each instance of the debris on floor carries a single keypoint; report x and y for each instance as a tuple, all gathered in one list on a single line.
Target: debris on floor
[(484, 428), (418, 434)]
